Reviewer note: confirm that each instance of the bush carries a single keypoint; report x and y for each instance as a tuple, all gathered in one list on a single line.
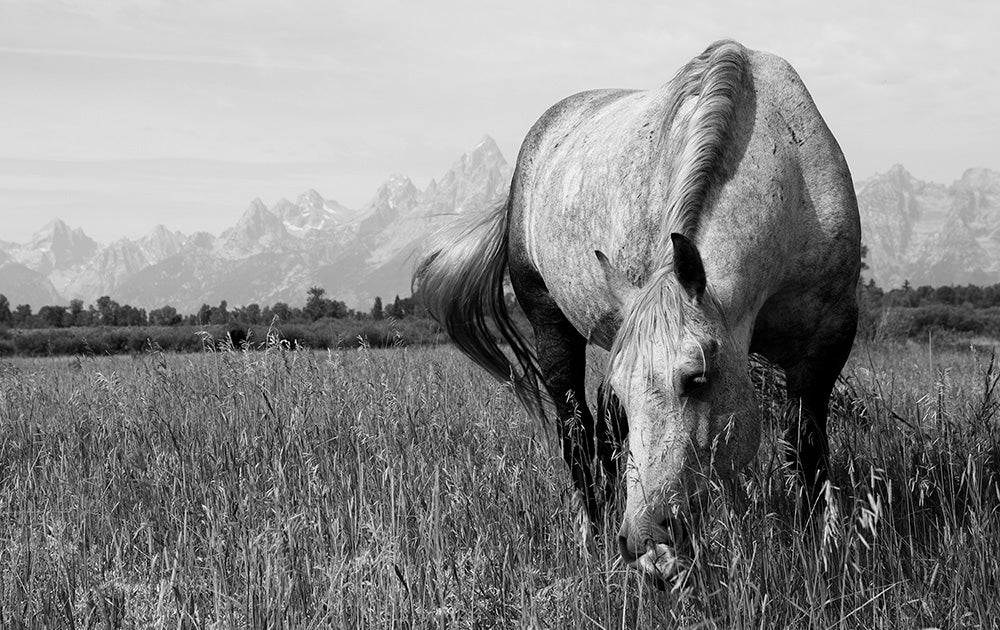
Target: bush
[(322, 334), (916, 323)]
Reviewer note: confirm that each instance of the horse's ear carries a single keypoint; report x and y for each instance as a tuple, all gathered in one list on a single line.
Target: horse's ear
[(620, 287), (688, 267)]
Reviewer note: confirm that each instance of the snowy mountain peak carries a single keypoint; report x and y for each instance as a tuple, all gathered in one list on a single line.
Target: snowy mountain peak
[(485, 155), (257, 230), (57, 232), (488, 145), (311, 201), (257, 207), (476, 180), (310, 212), (55, 226), (396, 197), (159, 231), (257, 214), (397, 180), (161, 234), (56, 246), (898, 176), (161, 243), (398, 190), (981, 178)]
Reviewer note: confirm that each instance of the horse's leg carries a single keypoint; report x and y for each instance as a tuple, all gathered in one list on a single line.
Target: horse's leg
[(562, 360), (810, 382), (612, 430)]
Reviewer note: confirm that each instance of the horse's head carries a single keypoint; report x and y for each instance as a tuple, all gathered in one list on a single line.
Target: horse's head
[(683, 382)]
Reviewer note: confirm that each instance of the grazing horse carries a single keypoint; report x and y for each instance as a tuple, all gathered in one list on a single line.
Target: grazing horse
[(680, 229)]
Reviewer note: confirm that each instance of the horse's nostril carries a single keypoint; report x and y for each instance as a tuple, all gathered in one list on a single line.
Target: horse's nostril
[(624, 550)]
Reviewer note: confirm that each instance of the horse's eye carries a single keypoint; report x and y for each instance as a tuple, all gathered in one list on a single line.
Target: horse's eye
[(692, 383)]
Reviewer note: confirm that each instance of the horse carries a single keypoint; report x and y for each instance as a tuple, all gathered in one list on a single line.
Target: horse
[(681, 229)]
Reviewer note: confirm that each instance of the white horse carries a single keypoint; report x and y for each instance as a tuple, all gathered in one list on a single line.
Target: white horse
[(681, 229)]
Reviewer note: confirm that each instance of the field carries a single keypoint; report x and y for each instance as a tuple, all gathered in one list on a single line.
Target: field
[(401, 488)]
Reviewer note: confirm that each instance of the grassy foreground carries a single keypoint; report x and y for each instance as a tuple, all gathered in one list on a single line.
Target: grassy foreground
[(402, 489)]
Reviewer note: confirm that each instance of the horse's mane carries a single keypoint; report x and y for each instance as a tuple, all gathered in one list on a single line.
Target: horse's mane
[(716, 77)]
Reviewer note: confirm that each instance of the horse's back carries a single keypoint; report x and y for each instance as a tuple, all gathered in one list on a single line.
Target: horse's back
[(779, 219)]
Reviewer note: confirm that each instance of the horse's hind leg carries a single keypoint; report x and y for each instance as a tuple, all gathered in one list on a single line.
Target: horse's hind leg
[(810, 383)]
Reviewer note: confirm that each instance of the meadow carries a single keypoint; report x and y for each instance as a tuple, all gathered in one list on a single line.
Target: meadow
[(401, 488)]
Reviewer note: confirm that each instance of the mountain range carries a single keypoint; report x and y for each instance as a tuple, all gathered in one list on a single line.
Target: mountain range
[(928, 233), (921, 232), (270, 255)]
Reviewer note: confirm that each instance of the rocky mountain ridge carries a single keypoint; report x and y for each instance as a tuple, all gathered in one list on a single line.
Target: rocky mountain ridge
[(921, 232), (928, 233), (269, 255)]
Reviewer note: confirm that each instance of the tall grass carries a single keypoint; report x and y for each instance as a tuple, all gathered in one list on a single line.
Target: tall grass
[(402, 489)]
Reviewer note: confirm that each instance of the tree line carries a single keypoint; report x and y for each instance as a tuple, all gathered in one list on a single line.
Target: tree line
[(109, 313), (905, 311), (970, 296), (908, 312)]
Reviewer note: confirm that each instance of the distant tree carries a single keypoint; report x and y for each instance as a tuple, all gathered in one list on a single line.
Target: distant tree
[(22, 316), (945, 295), (316, 305), (129, 315), (6, 317), (972, 295), (377, 312), (991, 295), (51, 316), (164, 316), (204, 315), (282, 312), (395, 310), (108, 311), (220, 314), (75, 313), (249, 314), (337, 309), (906, 286), (402, 307)]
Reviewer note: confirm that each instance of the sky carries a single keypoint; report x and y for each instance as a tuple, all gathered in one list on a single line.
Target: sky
[(118, 116)]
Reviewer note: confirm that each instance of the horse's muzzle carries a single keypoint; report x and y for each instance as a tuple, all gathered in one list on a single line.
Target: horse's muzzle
[(657, 550)]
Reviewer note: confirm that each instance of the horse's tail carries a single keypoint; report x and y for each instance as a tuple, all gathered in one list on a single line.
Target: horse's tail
[(460, 280), (716, 77)]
